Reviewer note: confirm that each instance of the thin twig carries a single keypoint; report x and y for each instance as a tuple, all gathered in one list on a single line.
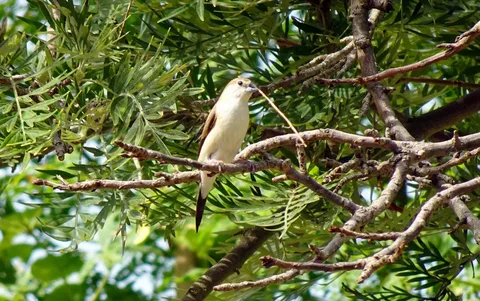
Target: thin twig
[(424, 171), (176, 178), (283, 116), (279, 278), (126, 17), (369, 236), (441, 82)]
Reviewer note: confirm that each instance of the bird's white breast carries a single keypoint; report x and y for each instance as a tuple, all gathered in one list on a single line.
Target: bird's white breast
[(228, 133)]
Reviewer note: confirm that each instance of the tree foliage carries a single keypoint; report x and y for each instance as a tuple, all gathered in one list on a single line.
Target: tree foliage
[(77, 77)]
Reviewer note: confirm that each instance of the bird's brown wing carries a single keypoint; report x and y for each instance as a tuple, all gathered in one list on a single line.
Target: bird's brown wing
[(207, 128)]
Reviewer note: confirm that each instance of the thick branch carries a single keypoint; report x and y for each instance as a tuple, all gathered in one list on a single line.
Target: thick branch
[(215, 167), (366, 58), (419, 150), (317, 135), (432, 122), (394, 251), (228, 265), (444, 117)]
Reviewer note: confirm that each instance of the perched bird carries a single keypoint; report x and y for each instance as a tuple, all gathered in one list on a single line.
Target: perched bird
[(223, 134)]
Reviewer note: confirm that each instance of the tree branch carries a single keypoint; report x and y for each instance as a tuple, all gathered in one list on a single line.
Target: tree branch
[(428, 170), (391, 253), (366, 214), (368, 66), (461, 43), (441, 82), (216, 167), (269, 261), (387, 255), (444, 117), (463, 213), (308, 181), (172, 179), (369, 236), (417, 150), (275, 279), (420, 150), (359, 218), (229, 264)]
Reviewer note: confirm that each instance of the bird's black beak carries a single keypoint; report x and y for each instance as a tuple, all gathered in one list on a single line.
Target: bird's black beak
[(251, 88)]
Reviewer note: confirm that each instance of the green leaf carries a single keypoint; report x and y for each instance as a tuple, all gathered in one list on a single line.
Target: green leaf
[(305, 27), (25, 162), (43, 269), (192, 91), (75, 292), (7, 276), (23, 251), (95, 151), (136, 132), (172, 134), (175, 12), (55, 172), (201, 9)]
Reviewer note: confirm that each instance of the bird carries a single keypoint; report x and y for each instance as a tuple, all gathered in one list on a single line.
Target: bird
[(223, 134)]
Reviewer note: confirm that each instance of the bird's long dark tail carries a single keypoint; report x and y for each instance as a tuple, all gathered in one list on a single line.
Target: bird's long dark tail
[(200, 208)]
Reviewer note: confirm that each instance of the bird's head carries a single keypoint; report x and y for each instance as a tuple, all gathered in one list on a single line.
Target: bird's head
[(240, 88)]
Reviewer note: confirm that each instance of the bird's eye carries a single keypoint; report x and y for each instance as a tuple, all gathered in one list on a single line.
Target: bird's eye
[(240, 83)]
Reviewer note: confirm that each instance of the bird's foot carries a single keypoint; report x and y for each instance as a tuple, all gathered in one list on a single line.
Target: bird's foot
[(251, 165), (220, 164)]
